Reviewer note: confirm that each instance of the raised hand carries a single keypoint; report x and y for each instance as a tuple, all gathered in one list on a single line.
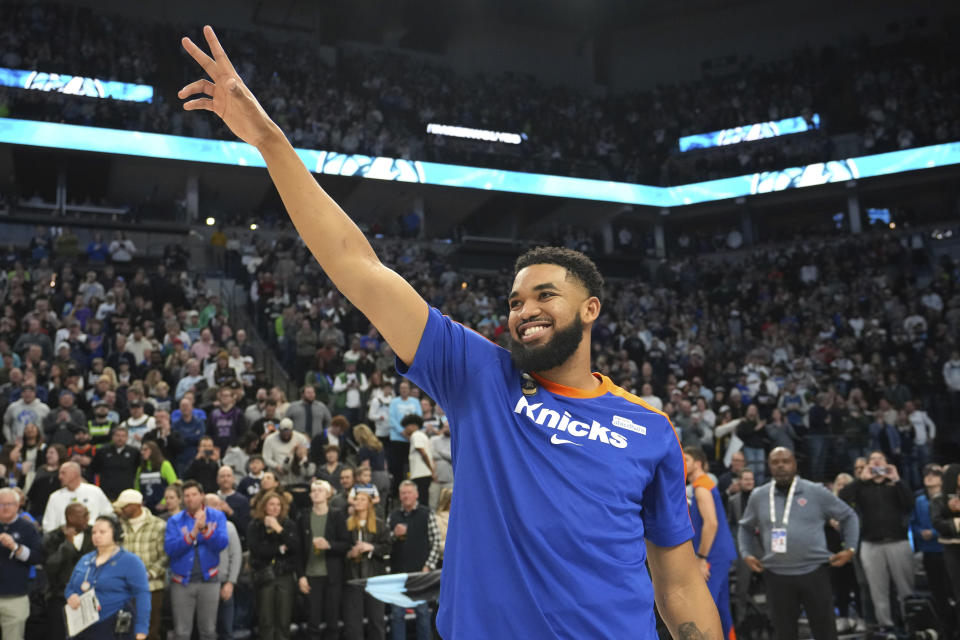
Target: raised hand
[(228, 96)]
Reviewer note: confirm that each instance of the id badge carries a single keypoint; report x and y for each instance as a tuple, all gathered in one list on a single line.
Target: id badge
[(778, 540)]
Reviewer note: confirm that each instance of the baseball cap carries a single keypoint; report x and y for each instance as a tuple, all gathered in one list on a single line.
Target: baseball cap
[(248, 359), (128, 496), (286, 423)]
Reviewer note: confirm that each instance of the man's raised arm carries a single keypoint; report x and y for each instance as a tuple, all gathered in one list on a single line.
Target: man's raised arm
[(389, 302)]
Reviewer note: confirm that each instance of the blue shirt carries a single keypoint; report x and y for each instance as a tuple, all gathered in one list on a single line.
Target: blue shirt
[(399, 409), (556, 493), (920, 520), (119, 580)]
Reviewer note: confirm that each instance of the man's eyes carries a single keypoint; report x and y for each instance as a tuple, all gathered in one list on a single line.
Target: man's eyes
[(543, 295)]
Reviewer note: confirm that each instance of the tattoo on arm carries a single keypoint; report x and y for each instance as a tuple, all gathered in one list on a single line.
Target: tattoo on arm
[(689, 631)]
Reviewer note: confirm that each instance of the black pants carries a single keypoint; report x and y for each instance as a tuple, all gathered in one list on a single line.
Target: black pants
[(324, 598), (356, 604), (811, 591), (275, 608), (423, 487), (399, 452), (845, 587), (103, 630), (939, 581), (951, 558)]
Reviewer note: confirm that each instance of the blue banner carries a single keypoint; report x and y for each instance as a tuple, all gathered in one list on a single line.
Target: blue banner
[(155, 145), (748, 133), (75, 85)]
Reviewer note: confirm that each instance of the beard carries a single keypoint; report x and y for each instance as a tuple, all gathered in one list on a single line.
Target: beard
[(548, 356)]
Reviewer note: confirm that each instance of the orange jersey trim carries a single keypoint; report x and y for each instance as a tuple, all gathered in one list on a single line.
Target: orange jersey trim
[(704, 482)]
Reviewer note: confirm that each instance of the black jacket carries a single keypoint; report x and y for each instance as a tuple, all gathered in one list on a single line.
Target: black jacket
[(884, 508), (336, 534), (171, 445), (264, 547), (117, 468), (369, 564), (945, 520), (60, 559)]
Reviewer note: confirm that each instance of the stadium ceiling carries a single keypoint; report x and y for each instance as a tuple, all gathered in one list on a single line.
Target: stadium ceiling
[(426, 24)]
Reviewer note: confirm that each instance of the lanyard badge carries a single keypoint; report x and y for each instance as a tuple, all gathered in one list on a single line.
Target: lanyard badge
[(778, 535)]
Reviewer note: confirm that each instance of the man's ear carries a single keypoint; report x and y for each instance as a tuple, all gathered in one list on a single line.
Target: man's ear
[(590, 310)]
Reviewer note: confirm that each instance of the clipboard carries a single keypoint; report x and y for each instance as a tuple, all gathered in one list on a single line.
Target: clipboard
[(86, 614)]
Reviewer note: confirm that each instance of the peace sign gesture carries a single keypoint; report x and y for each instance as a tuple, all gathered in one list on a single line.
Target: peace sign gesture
[(228, 96)]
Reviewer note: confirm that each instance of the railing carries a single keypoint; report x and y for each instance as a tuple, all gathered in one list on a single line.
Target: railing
[(235, 299)]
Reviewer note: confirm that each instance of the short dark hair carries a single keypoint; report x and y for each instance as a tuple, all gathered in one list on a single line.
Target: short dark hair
[(192, 484), (577, 265), (698, 455), (411, 418)]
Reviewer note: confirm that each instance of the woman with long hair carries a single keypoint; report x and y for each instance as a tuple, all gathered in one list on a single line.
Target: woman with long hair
[(117, 577), (154, 475), (371, 454), (31, 453), (324, 540), (110, 373), (370, 542), (274, 544), (172, 500), (46, 480), (283, 404)]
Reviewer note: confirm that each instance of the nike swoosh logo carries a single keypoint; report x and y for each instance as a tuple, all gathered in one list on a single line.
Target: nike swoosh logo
[(555, 440)]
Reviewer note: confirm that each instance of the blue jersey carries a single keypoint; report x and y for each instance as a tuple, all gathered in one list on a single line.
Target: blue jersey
[(555, 495), (723, 550)]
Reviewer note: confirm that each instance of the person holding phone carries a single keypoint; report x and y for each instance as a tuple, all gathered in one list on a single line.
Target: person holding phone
[(205, 465), (884, 504), (116, 577)]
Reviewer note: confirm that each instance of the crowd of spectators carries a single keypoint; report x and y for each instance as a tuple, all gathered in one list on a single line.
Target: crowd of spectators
[(124, 389), (859, 331), (137, 380), (379, 102), (843, 351)]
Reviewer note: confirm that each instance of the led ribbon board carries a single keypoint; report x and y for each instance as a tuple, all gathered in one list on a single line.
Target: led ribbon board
[(748, 133), (475, 134), (155, 145), (75, 85)]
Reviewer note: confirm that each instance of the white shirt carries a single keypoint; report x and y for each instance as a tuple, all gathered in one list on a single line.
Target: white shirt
[(90, 495), (923, 427), (138, 428), (78, 540), (419, 468), (275, 450)]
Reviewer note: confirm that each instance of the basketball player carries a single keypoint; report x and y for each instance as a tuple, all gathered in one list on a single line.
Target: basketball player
[(566, 483)]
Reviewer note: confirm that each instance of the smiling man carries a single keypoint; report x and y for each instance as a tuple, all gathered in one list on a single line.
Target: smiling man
[(566, 484)]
